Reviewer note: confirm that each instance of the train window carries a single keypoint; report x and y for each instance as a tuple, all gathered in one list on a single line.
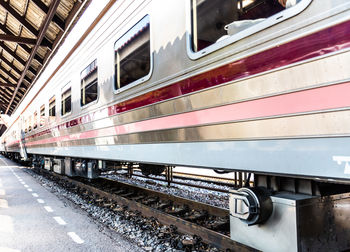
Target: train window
[(66, 102), (42, 115), (52, 108), (132, 55), (26, 126), (215, 21), (88, 84), (35, 124), (30, 124)]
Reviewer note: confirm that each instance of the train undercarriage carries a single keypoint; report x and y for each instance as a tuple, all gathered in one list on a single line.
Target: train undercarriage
[(267, 212)]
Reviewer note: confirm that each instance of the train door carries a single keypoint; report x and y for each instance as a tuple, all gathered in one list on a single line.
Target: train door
[(22, 147)]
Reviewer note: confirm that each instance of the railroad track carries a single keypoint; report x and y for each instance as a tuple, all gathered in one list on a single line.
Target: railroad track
[(208, 222), (182, 178)]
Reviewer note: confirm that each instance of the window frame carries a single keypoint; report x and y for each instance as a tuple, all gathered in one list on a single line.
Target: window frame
[(144, 78), (25, 125), (63, 90), (35, 120), (55, 116), (40, 109), (98, 87), (270, 21), (30, 123)]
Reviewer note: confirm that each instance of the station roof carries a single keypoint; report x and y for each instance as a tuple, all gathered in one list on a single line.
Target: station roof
[(30, 33)]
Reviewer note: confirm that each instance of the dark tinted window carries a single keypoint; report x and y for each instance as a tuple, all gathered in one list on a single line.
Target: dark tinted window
[(66, 103), (42, 115), (26, 125), (52, 108), (88, 84), (30, 123), (215, 20), (35, 124), (133, 54)]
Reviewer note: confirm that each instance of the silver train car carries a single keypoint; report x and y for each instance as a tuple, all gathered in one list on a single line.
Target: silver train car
[(253, 86)]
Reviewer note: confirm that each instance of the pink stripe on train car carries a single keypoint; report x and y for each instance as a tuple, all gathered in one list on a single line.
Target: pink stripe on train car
[(318, 99), (323, 42)]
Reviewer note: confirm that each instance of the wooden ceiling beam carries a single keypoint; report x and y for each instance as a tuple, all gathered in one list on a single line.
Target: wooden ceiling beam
[(6, 101), (24, 47), (2, 84), (24, 22), (4, 97), (71, 16), (8, 31), (39, 59), (20, 92), (19, 18), (8, 73), (10, 64), (42, 31), (26, 78), (17, 39), (12, 53), (56, 19), (2, 103), (6, 93), (15, 56)]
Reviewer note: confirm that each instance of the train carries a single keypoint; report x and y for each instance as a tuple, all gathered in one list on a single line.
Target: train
[(255, 87)]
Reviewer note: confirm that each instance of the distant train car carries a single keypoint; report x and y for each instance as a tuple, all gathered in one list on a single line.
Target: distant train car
[(256, 86)]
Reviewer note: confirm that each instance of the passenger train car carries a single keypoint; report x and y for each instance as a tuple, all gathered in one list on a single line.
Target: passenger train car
[(256, 86)]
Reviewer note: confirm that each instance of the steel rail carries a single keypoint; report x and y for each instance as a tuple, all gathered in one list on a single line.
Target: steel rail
[(216, 211), (195, 177), (188, 184), (208, 236)]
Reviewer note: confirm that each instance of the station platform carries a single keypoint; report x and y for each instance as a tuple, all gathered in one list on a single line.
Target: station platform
[(34, 219)]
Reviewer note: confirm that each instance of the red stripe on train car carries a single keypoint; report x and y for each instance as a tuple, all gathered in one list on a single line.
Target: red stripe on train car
[(323, 42), (317, 99)]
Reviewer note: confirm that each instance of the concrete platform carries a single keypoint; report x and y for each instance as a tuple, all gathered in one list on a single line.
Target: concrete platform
[(34, 219)]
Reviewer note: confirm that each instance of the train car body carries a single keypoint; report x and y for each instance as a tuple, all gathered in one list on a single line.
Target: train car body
[(250, 86), (278, 95)]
